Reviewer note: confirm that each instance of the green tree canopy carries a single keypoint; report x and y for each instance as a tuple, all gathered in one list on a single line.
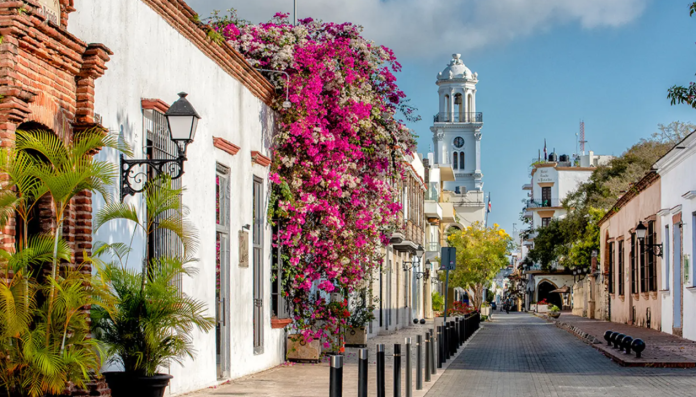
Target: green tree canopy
[(481, 254)]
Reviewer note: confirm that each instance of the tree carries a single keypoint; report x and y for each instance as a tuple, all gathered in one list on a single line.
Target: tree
[(681, 94), (673, 132), (481, 254)]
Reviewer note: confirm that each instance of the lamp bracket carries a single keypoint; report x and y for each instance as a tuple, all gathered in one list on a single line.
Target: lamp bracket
[(136, 173)]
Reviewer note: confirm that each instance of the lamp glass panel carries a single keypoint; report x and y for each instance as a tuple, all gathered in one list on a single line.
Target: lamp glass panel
[(640, 231), (180, 127), (194, 127)]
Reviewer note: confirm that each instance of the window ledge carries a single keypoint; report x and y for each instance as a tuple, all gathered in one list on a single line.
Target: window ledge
[(277, 323)]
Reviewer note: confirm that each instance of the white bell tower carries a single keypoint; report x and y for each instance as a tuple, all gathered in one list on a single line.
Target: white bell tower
[(457, 141), (457, 126)]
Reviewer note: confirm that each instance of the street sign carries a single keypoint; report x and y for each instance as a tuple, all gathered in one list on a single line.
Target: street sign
[(448, 258)]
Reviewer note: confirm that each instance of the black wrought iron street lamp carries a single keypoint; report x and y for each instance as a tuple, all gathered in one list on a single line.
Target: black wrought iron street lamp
[(655, 249), (408, 265), (182, 122)]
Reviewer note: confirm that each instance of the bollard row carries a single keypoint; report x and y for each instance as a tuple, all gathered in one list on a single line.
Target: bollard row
[(440, 345), (624, 343)]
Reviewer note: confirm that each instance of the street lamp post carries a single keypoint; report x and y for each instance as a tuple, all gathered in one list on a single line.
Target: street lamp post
[(182, 122), (655, 249)]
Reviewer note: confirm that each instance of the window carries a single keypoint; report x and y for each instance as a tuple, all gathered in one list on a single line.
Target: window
[(634, 266), (461, 161), (643, 257), (257, 242), (404, 203), (546, 196), (279, 308), (455, 156), (651, 258), (620, 264), (158, 145), (545, 221), (611, 261), (665, 260), (222, 267)]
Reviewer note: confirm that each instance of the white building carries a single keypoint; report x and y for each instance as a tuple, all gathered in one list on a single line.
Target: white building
[(678, 195), (158, 51), (552, 181), (457, 141)]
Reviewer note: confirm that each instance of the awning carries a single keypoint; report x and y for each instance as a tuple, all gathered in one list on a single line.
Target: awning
[(563, 290)]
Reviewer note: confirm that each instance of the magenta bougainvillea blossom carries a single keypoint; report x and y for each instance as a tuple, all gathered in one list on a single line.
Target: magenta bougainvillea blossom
[(337, 156)]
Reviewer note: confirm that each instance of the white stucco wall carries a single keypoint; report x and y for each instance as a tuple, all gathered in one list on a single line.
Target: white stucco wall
[(678, 179), (152, 60)]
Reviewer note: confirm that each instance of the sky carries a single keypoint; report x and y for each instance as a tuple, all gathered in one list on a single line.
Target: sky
[(543, 65)]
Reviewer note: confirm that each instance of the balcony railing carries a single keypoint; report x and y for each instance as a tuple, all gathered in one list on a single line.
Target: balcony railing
[(543, 203), (432, 247), (457, 117)]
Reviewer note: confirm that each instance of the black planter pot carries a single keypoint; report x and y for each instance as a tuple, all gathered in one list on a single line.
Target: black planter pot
[(130, 385)]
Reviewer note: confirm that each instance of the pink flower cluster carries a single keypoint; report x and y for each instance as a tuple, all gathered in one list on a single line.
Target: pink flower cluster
[(337, 155)]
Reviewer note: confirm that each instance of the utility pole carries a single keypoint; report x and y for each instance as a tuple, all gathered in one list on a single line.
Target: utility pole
[(294, 12)]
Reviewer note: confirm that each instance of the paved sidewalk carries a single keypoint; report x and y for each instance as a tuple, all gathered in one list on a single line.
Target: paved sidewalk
[(519, 355), (663, 350), (312, 380)]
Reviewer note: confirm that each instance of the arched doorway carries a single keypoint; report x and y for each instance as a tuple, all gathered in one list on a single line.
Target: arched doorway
[(544, 292)]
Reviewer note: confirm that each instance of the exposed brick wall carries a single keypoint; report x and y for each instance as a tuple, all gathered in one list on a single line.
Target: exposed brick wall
[(47, 77)]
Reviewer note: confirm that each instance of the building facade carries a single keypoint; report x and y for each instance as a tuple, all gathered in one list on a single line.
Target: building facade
[(631, 272), (677, 232), (552, 179), (395, 284), (158, 50)]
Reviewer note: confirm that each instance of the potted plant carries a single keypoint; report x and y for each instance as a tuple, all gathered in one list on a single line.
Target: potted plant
[(554, 311), (361, 313), (151, 320)]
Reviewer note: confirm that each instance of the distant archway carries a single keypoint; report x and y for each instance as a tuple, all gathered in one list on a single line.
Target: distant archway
[(544, 292)]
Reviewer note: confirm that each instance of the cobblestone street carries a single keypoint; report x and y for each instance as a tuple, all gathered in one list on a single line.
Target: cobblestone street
[(522, 355)]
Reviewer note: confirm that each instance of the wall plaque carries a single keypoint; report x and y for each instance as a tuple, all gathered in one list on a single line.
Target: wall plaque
[(51, 10), (243, 248)]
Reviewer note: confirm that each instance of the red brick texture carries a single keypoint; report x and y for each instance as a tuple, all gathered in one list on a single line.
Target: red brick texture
[(47, 78)]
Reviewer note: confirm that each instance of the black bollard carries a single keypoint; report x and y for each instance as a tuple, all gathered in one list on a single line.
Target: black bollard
[(397, 370), (419, 362), (453, 340), (362, 372), (462, 327), (638, 346), (439, 346), (607, 337), (612, 338), (380, 372), (627, 340), (407, 378), (336, 376), (617, 341), (427, 358), (433, 353)]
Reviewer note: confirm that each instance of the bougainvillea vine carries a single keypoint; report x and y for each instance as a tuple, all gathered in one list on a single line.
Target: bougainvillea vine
[(336, 157)]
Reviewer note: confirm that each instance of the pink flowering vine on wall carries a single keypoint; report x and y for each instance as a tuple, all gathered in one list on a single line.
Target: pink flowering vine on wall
[(337, 157)]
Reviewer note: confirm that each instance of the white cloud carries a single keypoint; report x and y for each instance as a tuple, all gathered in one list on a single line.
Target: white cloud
[(430, 28)]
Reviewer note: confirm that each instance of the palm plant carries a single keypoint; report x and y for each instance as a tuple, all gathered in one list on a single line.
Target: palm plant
[(36, 360), (152, 321), (64, 170), (44, 328)]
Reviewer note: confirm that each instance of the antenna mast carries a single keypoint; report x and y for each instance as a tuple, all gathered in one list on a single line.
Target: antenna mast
[(582, 137)]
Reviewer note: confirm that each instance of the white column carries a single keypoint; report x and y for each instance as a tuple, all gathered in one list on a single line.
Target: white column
[(477, 135)]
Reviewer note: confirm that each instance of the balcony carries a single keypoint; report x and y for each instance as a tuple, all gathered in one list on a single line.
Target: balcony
[(432, 247), (448, 214), (548, 203), (432, 210), (457, 117), (527, 186)]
